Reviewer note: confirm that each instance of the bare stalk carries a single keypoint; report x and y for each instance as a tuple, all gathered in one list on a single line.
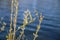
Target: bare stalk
[(38, 27), (10, 31), (15, 17)]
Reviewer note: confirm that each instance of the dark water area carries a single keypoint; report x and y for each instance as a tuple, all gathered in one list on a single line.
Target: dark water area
[(50, 27)]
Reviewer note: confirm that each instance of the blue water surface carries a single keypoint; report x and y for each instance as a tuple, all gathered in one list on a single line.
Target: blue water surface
[(50, 27)]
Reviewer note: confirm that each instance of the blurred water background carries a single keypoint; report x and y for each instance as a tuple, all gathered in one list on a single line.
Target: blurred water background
[(50, 27)]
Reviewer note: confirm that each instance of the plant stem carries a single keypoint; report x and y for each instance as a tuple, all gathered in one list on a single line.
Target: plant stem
[(15, 18), (10, 34)]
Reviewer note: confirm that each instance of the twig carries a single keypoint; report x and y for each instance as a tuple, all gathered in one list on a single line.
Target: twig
[(10, 31), (15, 18), (38, 27)]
